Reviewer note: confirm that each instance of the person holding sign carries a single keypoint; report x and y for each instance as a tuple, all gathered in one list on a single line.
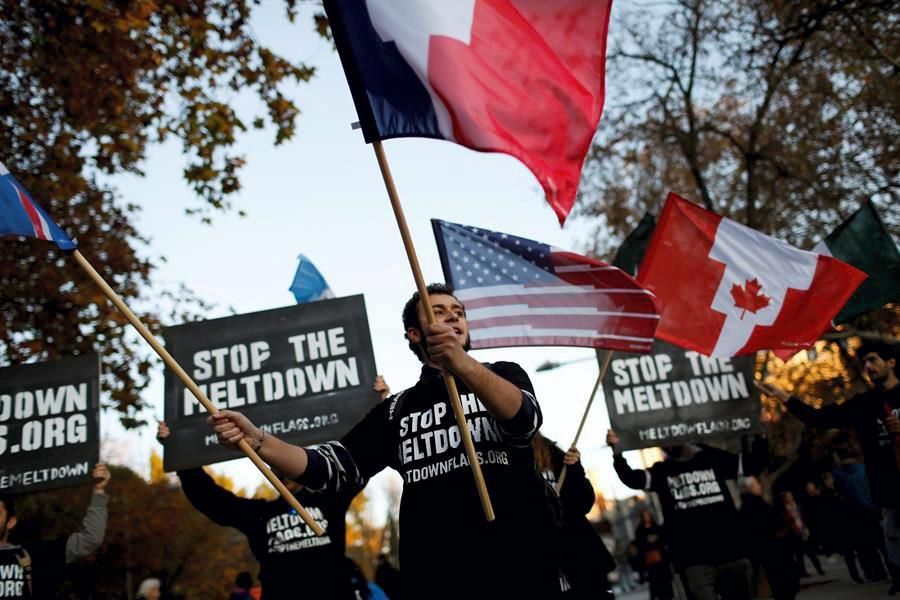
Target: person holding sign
[(702, 527), (284, 546), (585, 559), (449, 549), (35, 570), (875, 417)]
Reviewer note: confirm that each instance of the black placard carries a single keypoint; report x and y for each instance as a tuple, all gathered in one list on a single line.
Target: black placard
[(673, 395), (303, 373), (49, 424)]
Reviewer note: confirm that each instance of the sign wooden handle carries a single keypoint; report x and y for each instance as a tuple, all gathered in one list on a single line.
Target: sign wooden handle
[(170, 362), (449, 382)]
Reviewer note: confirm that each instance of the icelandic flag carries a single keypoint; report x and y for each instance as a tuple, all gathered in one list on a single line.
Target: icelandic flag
[(20, 215), (520, 77), (309, 285)]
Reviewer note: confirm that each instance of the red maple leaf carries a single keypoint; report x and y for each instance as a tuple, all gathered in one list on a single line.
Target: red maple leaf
[(748, 296)]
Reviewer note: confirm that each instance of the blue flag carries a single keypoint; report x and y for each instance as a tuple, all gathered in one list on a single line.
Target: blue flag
[(20, 215), (309, 285)]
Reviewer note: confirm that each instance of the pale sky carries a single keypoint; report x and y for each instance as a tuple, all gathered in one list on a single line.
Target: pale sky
[(322, 194)]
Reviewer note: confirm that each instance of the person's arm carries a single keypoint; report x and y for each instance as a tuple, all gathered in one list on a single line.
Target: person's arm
[(332, 466), (218, 504), (830, 416), (521, 427), (577, 494), (500, 397), (636, 479), (93, 527)]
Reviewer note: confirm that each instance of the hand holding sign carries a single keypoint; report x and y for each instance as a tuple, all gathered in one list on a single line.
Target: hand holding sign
[(772, 390), (572, 456), (381, 387), (101, 478), (162, 432), (612, 439)]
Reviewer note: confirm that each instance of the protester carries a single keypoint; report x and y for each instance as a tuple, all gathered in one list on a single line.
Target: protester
[(873, 415), (756, 517), (443, 524), (626, 557), (701, 521), (242, 584), (149, 589), (284, 545), (784, 567), (34, 571), (585, 559), (794, 519), (865, 540), (650, 542)]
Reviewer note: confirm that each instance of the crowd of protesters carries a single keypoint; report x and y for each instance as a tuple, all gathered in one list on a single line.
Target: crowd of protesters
[(707, 540)]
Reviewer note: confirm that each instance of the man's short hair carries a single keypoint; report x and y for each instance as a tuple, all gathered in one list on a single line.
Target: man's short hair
[(884, 350), (9, 503), (411, 314)]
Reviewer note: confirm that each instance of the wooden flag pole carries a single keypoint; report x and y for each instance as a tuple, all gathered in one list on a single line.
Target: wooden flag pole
[(426, 304), (603, 366), (198, 393)]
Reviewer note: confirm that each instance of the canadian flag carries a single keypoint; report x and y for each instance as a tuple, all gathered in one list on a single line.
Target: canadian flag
[(726, 289)]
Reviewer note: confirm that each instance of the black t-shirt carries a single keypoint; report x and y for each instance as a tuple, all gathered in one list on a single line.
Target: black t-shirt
[(293, 560), (449, 550), (48, 561), (12, 576), (865, 413), (701, 521)]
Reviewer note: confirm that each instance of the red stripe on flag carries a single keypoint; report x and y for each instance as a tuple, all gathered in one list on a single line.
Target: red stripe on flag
[(604, 343), (32, 213), (631, 301), (618, 325), (677, 268)]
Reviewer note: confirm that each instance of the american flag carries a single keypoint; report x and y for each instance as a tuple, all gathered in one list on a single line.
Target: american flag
[(519, 292)]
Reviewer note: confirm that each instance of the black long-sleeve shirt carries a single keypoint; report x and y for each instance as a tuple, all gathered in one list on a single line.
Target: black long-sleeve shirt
[(586, 560), (293, 560), (865, 413), (449, 550), (48, 558), (701, 522)]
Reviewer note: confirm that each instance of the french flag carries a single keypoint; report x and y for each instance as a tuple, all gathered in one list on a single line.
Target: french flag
[(521, 77), (20, 215)]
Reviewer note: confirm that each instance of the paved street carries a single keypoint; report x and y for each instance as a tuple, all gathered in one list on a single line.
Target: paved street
[(834, 585)]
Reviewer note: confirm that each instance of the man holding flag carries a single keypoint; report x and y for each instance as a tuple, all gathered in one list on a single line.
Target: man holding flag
[(449, 550)]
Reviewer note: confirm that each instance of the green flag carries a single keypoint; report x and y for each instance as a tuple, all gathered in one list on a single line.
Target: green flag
[(864, 242), (631, 252)]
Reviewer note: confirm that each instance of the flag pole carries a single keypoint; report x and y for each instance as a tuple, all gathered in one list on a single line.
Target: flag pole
[(604, 365), (198, 393), (426, 304)]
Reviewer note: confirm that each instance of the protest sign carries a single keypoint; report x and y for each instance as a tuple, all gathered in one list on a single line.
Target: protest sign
[(49, 424), (303, 373), (673, 395)]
